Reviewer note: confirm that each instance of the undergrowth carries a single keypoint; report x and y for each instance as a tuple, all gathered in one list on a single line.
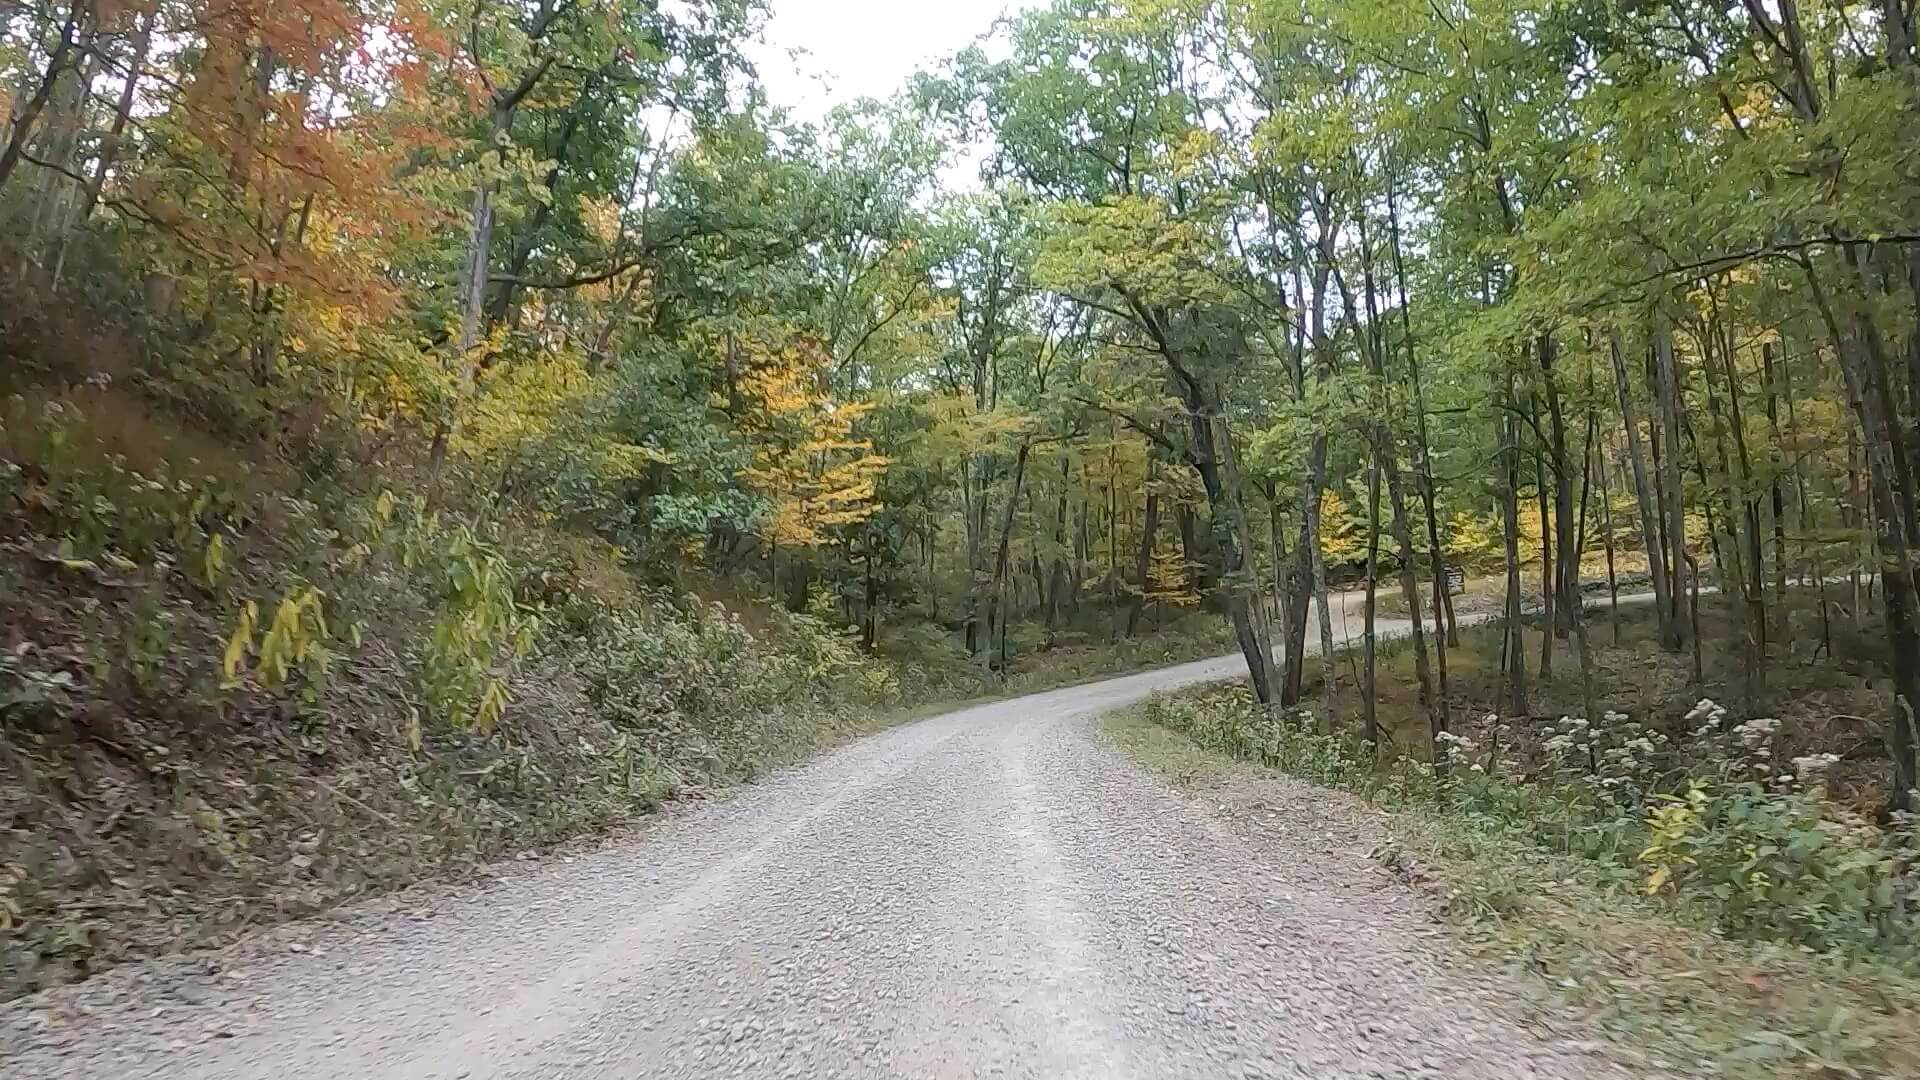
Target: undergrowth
[(1711, 901), (235, 692)]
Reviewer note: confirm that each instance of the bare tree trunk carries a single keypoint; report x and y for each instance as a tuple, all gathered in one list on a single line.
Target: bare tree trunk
[(1739, 521), (870, 607), (1777, 490), (62, 124), (1754, 550), (1113, 532), (1276, 525), (1513, 650), (1211, 456), (996, 595), (1310, 571), (1309, 575), (928, 544), (1850, 520), (1369, 688), (1082, 545), (1143, 565), (1667, 398), (122, 113), (1693, 618), (1446, 633), (1549, 584), (1606, 526), (1329, 672), (1566, 583), (1643, 496), (1057, 576)]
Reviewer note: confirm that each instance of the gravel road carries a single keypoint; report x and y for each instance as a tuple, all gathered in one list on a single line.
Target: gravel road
[(992, 892)]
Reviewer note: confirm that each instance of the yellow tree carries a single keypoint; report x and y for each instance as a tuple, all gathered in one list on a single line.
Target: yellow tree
[(815, 472)]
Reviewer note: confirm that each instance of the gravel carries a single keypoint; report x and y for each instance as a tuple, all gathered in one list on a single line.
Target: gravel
[(993, 892)]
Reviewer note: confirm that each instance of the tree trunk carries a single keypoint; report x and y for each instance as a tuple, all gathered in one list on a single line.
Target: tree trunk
[(1513, 650), (1329, 674), (1278, 527), (1436, 703), (1566, 583), (1606, 526), (1549, 584), (1190, 554), (1777, 491), (1113, 532), (1309, 575), (976, 480), (1310, 571), (122, 113), (1369, 688), (1143, 563), (996, 615), (1229, 530), (869, 612), (1422, 459), (1644, 498), (1667, 399), (1737, 521)]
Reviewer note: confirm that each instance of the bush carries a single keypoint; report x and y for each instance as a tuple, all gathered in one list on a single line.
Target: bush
[(1786, 866), (1756, 848), (1229, 721)]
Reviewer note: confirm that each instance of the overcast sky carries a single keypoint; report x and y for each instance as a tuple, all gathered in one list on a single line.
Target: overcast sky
[(862, 48)]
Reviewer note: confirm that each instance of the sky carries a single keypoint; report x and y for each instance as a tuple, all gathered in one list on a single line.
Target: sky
[(862, 48)]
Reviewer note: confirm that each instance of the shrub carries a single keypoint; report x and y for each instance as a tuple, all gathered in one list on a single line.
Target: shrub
[(1228, 721), (1787, 866), (1756, 848)]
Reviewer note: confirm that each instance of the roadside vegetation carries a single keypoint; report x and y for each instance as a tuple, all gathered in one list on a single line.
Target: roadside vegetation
[(1714, 884), (433, 430), (234, 693)]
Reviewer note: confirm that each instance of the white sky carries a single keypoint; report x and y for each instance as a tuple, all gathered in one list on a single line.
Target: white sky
[(862, 48)]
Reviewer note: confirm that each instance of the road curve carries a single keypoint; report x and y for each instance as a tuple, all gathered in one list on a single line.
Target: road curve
[(992, 892)]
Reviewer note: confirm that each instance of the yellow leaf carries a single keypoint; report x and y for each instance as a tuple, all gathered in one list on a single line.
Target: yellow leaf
[(1657, 880), (233, 662)]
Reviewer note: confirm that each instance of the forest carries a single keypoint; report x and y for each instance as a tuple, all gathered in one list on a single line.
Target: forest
[(386, 379)]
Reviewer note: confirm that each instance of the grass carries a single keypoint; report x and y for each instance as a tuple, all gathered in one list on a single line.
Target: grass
[(1578, 942)]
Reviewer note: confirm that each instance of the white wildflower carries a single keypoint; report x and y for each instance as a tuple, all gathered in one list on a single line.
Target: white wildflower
[(1815, 764)]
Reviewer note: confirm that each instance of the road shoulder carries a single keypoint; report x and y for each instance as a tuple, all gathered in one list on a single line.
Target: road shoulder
[(1346, 839)]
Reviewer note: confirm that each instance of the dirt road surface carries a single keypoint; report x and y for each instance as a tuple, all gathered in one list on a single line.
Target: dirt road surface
[(990, 893)]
